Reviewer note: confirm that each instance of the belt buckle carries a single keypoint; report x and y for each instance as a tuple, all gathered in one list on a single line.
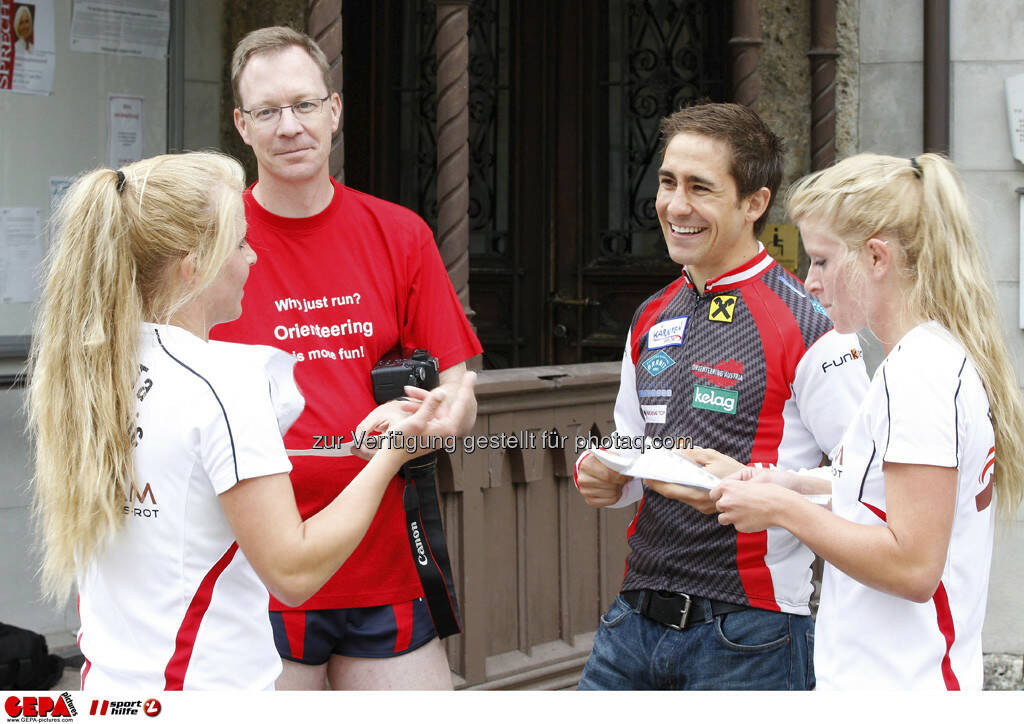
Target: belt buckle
[(683, 615)]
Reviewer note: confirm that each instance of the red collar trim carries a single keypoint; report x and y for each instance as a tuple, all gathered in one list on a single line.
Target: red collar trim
[(739, 276)]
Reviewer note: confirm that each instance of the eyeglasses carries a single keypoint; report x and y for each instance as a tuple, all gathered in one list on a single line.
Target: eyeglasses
[(267, 115)]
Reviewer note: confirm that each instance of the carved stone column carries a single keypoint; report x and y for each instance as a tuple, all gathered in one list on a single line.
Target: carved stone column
[(746, 52), (453, 143), (323, 24), (823, 56)]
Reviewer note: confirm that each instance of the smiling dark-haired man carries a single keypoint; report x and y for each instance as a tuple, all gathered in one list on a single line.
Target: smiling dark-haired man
[(729, 356)]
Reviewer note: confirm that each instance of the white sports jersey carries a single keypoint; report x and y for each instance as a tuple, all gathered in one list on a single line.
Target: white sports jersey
[(171, 602), (926, 406)]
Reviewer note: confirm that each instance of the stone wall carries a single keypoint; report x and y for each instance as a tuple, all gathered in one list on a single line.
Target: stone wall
[(785, 101), (847, 77)]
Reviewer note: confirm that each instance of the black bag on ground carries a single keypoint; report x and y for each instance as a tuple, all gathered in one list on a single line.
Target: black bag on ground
[(25, 661)]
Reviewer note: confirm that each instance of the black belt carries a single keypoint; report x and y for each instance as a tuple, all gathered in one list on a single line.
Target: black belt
[(676, 610)]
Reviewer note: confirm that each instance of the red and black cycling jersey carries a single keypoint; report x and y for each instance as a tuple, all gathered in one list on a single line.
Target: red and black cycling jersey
[(750, 367)]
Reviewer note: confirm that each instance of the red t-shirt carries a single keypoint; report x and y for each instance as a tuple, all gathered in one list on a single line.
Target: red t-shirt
[(340, 290)]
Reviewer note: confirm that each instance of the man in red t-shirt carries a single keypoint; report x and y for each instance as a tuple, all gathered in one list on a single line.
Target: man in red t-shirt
[(344, 278)]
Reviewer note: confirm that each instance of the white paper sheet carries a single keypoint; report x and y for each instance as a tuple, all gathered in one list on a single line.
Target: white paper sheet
[(670, 467), (21, 251), (122, 27), (124, 130)]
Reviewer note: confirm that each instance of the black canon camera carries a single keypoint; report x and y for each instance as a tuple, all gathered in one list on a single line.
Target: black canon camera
[(390, 376)]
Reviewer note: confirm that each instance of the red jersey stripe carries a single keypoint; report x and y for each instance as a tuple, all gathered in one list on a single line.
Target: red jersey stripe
[(873, 509), (295, 631), (403, 625), (782, 352), (983, 499), (650, 314), (174, 674), (88, 664), (945, 620), (751, 548)]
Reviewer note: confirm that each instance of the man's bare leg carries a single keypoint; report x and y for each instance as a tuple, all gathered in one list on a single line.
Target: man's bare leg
[(301, 677), (424, 669)]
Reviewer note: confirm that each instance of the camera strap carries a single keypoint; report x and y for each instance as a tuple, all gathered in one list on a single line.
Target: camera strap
[(428, 544)]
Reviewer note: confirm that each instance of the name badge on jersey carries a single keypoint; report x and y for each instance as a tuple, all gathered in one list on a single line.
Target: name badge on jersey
[(654, 414), (669, 333)]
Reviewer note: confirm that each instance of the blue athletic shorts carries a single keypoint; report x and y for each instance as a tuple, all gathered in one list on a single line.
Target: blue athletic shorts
[(373, 632)]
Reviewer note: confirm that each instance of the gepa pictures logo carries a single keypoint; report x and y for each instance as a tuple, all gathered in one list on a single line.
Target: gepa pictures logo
[(39, 707)]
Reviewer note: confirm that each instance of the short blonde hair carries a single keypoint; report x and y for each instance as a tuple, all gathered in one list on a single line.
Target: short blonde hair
[(22, 11), (273, 40)]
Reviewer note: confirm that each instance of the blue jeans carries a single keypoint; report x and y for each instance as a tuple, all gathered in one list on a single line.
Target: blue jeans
[(749, 649)]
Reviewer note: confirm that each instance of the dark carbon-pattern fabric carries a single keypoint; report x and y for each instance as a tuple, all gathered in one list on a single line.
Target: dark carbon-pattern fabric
[(812, 323), (674, 547)]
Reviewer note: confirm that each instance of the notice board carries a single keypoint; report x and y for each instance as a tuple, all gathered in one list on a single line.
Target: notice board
[(47, 140)]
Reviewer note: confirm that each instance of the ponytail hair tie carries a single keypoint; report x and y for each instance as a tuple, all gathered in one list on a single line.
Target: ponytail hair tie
[(120, 182), (916, 166)]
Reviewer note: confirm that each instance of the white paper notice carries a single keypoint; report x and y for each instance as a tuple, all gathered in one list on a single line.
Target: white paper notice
[(670, 467), (122, 27), (27, 51), (21, 251), (1015, 109), (124, 124), (58, 186)]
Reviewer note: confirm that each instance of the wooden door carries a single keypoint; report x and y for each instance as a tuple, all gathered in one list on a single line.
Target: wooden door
[(565, 99)]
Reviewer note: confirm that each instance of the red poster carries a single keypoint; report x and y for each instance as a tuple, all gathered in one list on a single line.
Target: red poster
[(6, 43)]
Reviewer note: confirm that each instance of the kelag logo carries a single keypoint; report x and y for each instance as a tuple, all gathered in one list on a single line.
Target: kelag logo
[(714, 399), (39, 707)]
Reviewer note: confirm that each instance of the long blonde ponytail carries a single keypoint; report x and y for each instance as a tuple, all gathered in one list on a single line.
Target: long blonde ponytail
[(116, 242), (921, 204)]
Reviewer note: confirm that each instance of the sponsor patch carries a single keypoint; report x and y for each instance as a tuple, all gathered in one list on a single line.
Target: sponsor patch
[(669, 333), (654, 413), (658, 363), (723, 306), (654, 393), (816, 305), (983, 499), (720, 374), (848, 357), (714, 399)]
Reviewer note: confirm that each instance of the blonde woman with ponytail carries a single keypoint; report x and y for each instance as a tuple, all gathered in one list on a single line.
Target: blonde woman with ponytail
[(934, 449), (159, 453)]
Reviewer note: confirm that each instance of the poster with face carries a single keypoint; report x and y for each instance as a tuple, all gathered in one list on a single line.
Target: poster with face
[(27, 50)]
